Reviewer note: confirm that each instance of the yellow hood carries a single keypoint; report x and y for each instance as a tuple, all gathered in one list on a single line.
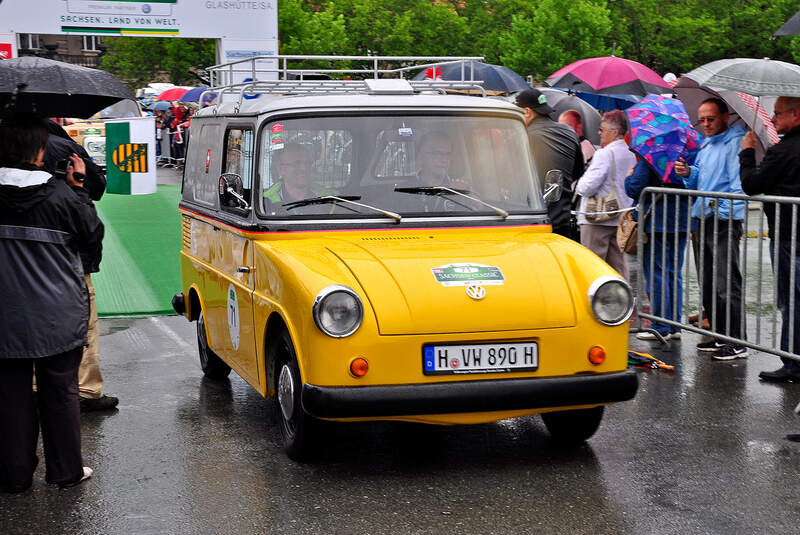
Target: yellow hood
[(417, 284)]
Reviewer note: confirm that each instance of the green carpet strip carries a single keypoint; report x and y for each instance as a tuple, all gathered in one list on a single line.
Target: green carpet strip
[(140, 270)]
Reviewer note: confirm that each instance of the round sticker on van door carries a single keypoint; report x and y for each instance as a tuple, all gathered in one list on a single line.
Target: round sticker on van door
[(233, 316)]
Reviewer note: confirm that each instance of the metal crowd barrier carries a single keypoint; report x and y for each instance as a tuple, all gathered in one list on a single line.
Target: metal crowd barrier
[(760, 323), (170, 160)]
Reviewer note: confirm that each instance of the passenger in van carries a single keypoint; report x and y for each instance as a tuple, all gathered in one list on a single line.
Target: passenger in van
[(293, 165)]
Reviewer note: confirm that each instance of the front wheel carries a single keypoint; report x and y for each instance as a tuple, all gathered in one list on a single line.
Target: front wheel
[(297, 427), (213, 366), (573, 427)]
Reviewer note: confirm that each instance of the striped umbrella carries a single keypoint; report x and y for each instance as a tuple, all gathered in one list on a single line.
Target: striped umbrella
[(746, 110)]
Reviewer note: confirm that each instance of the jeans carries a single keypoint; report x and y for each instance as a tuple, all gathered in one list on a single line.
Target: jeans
[(665, 277), (782, 278)]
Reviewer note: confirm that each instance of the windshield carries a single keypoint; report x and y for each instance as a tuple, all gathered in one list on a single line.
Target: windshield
[(122, 109), (409, 165)]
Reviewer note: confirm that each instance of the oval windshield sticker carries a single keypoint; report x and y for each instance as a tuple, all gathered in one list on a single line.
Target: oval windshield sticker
[(464, 274)]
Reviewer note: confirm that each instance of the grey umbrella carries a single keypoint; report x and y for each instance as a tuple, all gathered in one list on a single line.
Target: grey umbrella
[(791, 27), (56, 89), (744, 109), (757, 77)]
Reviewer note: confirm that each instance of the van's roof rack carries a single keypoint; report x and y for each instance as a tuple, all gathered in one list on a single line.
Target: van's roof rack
[(355, 74)]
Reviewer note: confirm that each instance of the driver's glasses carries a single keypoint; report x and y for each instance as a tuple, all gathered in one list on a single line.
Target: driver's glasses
[(297, 164)]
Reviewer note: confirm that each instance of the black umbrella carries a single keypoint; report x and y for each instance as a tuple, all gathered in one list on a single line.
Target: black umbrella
[(494, 77), (562, 101), (791, 27), (55, 89)]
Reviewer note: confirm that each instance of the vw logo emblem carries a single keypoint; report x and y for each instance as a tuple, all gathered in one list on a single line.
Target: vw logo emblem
[(476, 291)]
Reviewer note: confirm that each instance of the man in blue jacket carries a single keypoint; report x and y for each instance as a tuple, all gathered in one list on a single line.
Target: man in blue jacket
[(717, 170)]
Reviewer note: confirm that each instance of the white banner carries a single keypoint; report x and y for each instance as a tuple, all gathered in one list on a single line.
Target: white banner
[(246, 19)]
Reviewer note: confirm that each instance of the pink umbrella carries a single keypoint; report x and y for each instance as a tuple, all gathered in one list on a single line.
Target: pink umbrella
[(173, 93), (608, 75)]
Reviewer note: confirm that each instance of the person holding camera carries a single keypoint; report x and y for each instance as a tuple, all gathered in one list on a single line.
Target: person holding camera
[(44, 223), (57, 158)]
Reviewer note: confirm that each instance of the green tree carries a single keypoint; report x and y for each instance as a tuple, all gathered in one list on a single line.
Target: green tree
[(304, 30), (555, 33), (422, 29), (679, 36), (487, 20), (141, 60)]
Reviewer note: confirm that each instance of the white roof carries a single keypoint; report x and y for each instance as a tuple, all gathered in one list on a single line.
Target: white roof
[(268, 103)]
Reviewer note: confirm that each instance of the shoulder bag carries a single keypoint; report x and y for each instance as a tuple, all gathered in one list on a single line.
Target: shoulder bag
[(597, 208), (628, 229)]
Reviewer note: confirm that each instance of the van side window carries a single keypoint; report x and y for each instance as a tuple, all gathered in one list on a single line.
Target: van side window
[(238, 163)]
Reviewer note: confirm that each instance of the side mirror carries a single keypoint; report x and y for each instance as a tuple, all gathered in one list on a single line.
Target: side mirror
[(231, 191), (552, 185)]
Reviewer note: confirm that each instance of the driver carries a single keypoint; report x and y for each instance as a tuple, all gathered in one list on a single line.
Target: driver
[(435, 155), (293, 165)]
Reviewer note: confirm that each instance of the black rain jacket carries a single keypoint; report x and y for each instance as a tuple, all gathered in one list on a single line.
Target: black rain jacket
[(60, 146), (778, 174), (556, 146), (43, 225)]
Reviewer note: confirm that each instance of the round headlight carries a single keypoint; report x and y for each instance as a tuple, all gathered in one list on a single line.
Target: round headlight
[(338, 311), (611, 299), (93, 146)]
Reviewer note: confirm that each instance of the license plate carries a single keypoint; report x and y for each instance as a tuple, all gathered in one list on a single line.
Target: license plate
[(480, 358)]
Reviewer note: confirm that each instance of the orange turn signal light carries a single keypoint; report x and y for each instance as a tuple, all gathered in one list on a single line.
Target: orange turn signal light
[(597, 355), (359, 367)]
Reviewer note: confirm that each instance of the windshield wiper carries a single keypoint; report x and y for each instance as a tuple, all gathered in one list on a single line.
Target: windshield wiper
[(346, 199), (444, 190)]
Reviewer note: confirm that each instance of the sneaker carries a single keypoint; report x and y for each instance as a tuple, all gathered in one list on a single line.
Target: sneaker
[(103, 403), (711, 345), (647, 335), (675, 336), (730, 352)]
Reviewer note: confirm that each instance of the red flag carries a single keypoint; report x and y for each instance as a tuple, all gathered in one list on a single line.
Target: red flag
[(434, 73)]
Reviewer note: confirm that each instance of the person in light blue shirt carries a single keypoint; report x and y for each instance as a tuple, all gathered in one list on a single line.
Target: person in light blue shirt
[(717, 169)]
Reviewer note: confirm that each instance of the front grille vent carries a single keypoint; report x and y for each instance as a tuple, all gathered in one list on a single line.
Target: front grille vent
[(187, 233), (392, 238)]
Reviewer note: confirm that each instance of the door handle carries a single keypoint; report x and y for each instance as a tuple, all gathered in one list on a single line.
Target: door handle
[(245, 269)]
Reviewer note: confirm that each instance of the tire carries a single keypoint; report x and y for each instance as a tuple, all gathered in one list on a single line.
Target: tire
[(574, 427), (213, 366), (297, 427)]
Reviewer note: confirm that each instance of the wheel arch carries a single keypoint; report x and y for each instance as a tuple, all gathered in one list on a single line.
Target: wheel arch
[(275, 324), (193, 305)]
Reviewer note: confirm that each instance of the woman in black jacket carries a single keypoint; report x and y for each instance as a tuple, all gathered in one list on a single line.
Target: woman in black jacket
[(45, 307)]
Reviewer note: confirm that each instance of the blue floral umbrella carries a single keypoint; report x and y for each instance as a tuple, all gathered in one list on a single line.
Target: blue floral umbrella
[(661, 134)]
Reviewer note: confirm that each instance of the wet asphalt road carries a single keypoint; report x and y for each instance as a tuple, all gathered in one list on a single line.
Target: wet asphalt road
[(699, 450)]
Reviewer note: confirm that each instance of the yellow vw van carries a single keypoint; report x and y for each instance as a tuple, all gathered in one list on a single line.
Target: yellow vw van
[(379, 249)]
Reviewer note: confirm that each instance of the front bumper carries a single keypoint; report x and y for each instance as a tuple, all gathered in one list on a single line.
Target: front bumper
[(468, 396)]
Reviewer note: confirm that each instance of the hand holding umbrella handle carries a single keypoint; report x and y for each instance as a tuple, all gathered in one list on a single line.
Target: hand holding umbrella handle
[(681, 168), (749, 140)]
